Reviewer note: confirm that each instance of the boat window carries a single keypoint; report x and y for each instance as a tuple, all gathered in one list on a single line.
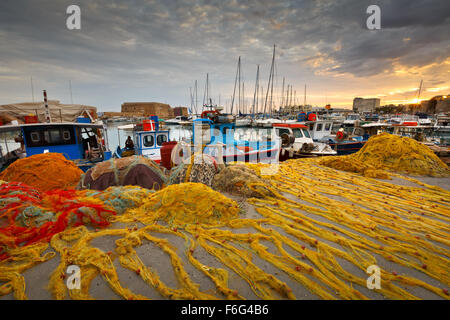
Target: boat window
[(55, 136), (35, 136), (281, 131), (306, 133), (298, 133), (161, 139), (327, 126), (66, 135), (311, 126), (149, 141), (44, 136), (319, 127)]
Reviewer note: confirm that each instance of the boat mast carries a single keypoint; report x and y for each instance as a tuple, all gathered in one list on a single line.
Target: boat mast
[(304, 97), (255, 95), (269, 83), (282, 95), (192, 98), (235, 81), (195, 93), (207, 88), (420, 91), (244, 111), (239, 82)]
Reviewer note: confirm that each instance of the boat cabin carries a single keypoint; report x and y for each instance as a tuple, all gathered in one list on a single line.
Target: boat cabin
[(220, 143), (319, 129), (83, 143), (147, 139)]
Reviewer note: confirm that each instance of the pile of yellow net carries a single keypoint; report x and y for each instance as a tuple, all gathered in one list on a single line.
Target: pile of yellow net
[(183, 204), (236, 179), (319, 231), (351, 164), (47, 171), (390, 152)]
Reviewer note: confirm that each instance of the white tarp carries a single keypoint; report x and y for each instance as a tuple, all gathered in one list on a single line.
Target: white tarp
[(59, 112)]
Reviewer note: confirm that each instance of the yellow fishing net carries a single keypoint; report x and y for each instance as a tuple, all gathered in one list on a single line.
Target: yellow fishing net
[(183, 204), (318, 231), (390, 152)]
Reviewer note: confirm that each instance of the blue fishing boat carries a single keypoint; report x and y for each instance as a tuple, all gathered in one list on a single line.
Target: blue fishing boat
[(148, 138), (82, 141), (219, 142)]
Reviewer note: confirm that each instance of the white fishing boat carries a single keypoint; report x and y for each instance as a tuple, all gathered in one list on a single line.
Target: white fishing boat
[(177, 120), (243, 122), (266, 123), (296, 141)]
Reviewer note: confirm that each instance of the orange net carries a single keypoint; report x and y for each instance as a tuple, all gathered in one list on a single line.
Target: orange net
[(48, 171)]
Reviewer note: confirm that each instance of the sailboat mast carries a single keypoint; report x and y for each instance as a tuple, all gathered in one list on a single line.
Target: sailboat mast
[(304, 97), (269, 83), (196, 100), (192, 99), (420, 91), (282, 95), (207, 88), (239, 94), (70, 89), (255, 95), (235, 82)]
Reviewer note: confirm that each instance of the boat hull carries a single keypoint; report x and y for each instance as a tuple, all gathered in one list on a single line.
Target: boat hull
[(347, 147)]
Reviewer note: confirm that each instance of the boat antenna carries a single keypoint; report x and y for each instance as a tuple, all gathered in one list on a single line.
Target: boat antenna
[(32, 89), (70, 89)]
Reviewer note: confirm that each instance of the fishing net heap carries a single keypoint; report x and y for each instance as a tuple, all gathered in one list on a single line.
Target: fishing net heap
[(350, 164), (313, 236), (401, 154), (135, 170), (47, 171), (185, 203), (239, 179), (200, 168), (390, 152)]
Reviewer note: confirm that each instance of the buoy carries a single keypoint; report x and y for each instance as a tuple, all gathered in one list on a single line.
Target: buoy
[(312, 116), (301, 117)]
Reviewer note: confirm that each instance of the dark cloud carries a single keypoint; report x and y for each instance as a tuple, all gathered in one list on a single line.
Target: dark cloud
[(136, 50)]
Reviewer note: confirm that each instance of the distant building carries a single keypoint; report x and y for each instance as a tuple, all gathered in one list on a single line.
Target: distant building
[(365, 105), (145, 109), (180, 111), (437, 104)]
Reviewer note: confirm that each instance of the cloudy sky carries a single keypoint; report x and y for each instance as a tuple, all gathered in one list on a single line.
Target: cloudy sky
[(155, 50)]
